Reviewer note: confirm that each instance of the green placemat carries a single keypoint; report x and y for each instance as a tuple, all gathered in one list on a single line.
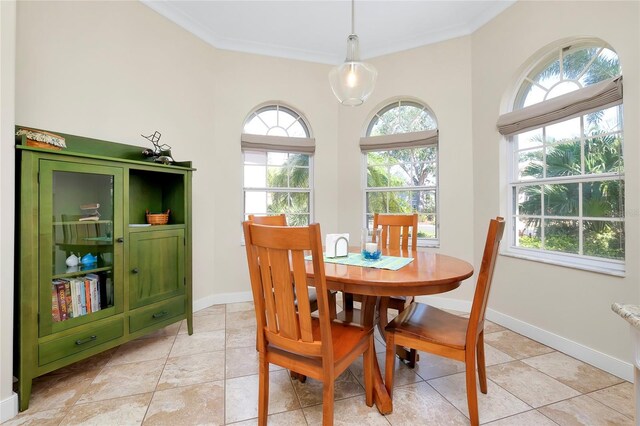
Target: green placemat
[(355, 259)]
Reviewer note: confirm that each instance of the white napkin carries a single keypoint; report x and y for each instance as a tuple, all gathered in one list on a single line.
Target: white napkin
[(337, 245)]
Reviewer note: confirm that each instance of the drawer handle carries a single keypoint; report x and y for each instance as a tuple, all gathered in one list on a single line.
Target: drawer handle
[(87, 340), (160, 314)]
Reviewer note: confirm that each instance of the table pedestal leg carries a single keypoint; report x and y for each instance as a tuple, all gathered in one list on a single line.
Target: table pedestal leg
[(380, 394), (410, 356)]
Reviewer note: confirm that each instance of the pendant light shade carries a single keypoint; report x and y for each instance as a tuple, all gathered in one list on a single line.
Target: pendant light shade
[(353, 81)]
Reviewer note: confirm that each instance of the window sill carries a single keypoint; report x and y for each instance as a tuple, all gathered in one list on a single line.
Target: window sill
[(613, 268)]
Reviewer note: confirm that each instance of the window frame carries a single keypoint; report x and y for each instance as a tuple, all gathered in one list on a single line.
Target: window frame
[(278, 106), (388, 106), (615, 267)]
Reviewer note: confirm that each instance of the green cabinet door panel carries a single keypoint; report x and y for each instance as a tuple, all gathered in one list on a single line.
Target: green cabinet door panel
[(156, 266), (64, 188)]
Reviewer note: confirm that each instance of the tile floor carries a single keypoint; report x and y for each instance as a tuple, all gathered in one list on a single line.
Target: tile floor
[(211, 377)]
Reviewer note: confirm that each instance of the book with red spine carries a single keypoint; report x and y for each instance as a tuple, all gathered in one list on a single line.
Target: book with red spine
[(68, 299), (62, 301), (55, 310), (87, 292)]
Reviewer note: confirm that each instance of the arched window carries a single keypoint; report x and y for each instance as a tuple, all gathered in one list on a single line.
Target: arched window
[(566, 174), (401, 166), (278, 164)]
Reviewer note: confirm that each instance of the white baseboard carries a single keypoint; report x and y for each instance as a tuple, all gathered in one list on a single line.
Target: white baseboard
[(220, 299), (605, 362), (9, 407)]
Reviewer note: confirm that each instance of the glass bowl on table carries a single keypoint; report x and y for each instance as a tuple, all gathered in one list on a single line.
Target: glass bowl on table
[(370, 246)]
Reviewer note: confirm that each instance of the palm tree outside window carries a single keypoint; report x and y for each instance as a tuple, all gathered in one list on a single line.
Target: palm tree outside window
[(567, 176), (400, 153), (278, 164)]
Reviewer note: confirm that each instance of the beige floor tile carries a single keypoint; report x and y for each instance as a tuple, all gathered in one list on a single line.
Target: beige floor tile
[(124, 380), (530, 418), (242, 306), (197, 343), (243, 362), (619, 397), (577, 374), (170, 330), (403, 375), (211, 310), (241, 396), (528, 384), (39, 418), (492, 327), (310, 392), (241, 337), (493, 356), (430, 366), (241, 319), (94, 364), (420, 404), (192, 369), (190, 405), (203, 323), (516, 345), (495, 404), (119, 411), (52, 392), (350, 411), (288, 418), (143, 350), (584, 410)]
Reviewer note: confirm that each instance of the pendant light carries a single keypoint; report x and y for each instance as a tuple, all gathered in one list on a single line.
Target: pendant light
[(353, 81)]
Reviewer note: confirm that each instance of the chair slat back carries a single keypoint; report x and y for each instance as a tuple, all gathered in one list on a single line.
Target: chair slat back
[(396, 229), (275, 220), (277, 269), (485, 277)]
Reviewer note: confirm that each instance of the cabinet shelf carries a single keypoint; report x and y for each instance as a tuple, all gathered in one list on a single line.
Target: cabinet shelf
[(82, 222), (80, 272)]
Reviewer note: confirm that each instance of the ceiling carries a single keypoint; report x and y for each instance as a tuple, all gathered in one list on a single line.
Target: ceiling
[(317, 31)]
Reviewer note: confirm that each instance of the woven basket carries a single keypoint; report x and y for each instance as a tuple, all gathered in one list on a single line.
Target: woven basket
[(37, 144), (158, 218)]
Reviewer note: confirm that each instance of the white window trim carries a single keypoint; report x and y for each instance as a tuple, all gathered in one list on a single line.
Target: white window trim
[(582, 262), (591, 264)]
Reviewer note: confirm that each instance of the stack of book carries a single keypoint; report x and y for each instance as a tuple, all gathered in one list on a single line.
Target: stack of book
[(74, 297), (90, 212)]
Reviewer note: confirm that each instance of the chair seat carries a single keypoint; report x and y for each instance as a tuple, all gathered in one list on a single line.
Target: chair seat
[(429, 324), (345, 337)]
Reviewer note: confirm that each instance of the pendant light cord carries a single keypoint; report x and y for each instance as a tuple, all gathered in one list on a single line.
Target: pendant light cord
[(353, 30)]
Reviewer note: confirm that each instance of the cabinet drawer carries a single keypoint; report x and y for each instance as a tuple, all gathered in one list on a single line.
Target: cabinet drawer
[(146, 317), (80, 341)]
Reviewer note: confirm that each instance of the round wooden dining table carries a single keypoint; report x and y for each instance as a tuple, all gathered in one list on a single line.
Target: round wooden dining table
[(428, 273)]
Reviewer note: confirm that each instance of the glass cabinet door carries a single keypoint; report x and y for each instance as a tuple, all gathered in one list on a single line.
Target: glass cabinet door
[(81, 231)]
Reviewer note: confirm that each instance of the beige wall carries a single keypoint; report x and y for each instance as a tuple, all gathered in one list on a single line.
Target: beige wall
[(113, 70), (8, 401), (570, 303)]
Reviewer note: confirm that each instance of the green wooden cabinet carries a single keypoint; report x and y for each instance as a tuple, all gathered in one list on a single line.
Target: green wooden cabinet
[(88, 203)]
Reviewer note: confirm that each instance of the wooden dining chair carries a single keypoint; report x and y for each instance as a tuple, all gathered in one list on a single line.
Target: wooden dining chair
[(396, 229), (273, 220), (281, 220), (288, 335), (439, 332)]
